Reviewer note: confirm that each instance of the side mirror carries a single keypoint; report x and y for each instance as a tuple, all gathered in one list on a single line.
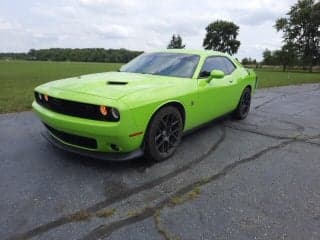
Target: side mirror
[(215, 74)]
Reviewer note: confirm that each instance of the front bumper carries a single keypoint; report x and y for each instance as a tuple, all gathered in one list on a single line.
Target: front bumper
[(97, 155), (105, 134)]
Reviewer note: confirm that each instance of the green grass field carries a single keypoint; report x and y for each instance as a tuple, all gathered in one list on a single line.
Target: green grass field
[(18, 79), (275, 78)]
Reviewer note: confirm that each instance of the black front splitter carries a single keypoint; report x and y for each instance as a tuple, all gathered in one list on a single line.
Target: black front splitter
[(92, 154)]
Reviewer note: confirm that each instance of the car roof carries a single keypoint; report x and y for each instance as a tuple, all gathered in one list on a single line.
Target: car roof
[(204, 53)]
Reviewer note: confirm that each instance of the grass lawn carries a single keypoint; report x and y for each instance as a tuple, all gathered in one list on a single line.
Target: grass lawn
[(274, 78), (19, 78)]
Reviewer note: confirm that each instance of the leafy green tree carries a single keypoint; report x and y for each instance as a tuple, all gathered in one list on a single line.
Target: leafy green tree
[(267, 57), (245, 61), (222, 36), (288, 55), (176, 42), (248, 61), (301, 30)]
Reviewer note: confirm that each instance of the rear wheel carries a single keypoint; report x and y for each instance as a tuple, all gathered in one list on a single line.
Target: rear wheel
[(164, 134), (244, 105)]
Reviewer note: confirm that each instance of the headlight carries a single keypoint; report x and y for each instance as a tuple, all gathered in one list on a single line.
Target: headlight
[(115, 113), (109, 113), (104, 110)]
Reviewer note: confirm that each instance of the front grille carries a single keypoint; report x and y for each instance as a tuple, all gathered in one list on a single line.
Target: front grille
[(73, 139), (67, 107)]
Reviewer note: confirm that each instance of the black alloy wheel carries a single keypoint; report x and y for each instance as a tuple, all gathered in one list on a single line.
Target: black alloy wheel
[(244, 105), (164, 134)]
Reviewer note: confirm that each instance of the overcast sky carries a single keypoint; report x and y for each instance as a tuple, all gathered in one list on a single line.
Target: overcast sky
[(135, 24)]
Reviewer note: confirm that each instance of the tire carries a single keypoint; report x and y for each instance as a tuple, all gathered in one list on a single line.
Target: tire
[(164, 134), (243, 107)]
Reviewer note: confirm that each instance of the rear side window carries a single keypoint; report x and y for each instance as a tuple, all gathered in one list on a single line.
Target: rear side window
[(212, 63), (229, 66), (216, 63)]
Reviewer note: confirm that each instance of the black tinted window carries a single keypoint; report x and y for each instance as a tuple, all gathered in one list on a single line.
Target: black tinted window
[(229, 66), (216, 63), (213, 63)]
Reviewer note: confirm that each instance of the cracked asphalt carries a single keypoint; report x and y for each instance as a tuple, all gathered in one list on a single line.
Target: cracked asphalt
[(253, 179)]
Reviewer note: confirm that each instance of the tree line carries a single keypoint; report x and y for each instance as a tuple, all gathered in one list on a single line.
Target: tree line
[(301, 37), (76, 55)]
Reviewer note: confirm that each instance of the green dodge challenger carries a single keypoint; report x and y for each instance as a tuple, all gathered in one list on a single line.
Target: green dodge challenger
[(146, 106)]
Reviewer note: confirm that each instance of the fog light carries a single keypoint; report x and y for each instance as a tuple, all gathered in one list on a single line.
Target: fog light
[(115, 147), (104, 110)]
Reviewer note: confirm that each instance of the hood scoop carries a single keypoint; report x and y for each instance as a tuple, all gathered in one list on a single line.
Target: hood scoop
[(116, 83)]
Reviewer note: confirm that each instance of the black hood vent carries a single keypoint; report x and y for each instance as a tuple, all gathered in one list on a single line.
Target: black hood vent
[(116, 83)]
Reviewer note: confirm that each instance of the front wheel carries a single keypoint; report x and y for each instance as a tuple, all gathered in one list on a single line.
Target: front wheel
[(164, 134), (244, 105)]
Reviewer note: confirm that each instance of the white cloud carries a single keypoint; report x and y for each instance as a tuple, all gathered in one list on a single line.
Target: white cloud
[(136, 24), (108, 3), (5, 25), (113, 31)]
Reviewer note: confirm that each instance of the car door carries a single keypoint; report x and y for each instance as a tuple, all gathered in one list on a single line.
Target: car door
[(218, 96)]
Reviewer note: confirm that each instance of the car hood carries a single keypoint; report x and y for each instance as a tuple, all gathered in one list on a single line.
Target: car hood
[(113, 85)]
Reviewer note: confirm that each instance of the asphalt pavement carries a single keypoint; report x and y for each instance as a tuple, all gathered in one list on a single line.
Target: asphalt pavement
[(253, 179)]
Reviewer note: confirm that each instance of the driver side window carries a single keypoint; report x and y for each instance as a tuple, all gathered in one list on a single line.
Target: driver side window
[(213, 63)]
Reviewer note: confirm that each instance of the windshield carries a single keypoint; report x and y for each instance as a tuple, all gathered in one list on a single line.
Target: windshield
[(165, 64)]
